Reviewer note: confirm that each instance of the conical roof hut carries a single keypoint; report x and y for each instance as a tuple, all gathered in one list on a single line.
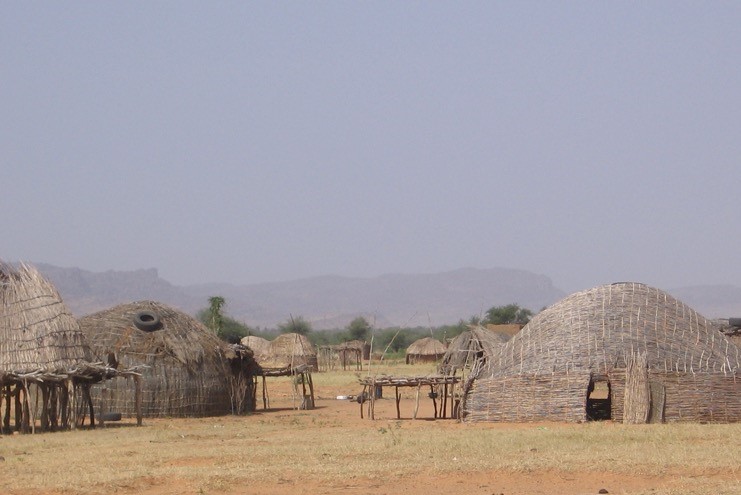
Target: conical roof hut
[(260, 347), (684, 368), (465, 350), (425, 350), (41, 344), (291, 350), (190, 371)]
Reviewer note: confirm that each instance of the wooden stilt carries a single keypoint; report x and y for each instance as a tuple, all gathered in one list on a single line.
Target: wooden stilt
[(398, 400), (416, 403), (138, 399), (72, 404), (44, 406), (18, 407), (88, 398)]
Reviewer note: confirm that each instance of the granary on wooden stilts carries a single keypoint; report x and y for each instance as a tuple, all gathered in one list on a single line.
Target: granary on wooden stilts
[(189, 371), (46, 366), (425, 350), (291, 354), (626, 352)]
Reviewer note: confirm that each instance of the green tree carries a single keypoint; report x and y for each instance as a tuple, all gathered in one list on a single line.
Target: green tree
[(216, 320), (295, 325), (224, 327), (510, 313), (359, 329)]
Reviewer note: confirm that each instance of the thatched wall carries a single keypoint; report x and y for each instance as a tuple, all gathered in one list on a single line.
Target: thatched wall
[(425, 350), (190, 371), (596, 332), (37, 331)]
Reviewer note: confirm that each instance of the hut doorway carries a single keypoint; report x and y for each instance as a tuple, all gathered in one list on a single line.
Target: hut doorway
[(599, 399)]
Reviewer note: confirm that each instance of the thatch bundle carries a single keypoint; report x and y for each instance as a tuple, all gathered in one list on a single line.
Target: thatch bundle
[(465, 350), (190, 371), (425, 350), (260, 347), (41, 344), (291, 350), (548, 368)]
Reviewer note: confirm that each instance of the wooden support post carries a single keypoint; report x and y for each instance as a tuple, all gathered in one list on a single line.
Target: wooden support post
[(372, 402), (265, 401), (44, 406), (453, 413), (138, 399), (6, 419), (88, 398), (434, 400), (18, 408), (398, 400), (53, 407), (416, 402), (444, 401), (29, 416), (311, 389), (362, 394), (71, 394)]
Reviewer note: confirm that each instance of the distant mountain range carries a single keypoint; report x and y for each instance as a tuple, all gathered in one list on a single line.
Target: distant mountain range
[(330, 302)]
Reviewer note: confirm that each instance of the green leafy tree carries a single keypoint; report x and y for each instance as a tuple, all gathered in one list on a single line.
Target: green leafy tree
[(359, 329), (216, 320), (295, 325), (510, 313), (224, 327)]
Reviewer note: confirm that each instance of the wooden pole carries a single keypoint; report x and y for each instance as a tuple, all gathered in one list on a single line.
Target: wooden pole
[(29, 416), (138, 399), (72, 404), (444, 401), (44, 406), (398, 399), (264, 393), (88, 398), (416, 402), (434, 400)]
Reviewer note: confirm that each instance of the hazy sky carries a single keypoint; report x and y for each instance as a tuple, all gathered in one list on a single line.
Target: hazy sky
[(247, 142)]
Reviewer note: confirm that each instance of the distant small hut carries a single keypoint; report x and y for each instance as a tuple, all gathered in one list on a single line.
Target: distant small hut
[(425, 350), (189, 372), (260, 347), (46, 367), (472, 346)]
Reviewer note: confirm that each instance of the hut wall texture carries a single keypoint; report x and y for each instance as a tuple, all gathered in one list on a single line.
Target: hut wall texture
[(168, 390), (523, 398)]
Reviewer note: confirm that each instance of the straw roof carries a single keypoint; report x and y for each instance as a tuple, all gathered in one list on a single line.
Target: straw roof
[(190, 370), (598, 329), (38, 334), (424, 350), (622, 334), (260, 347), (476, 343), (291, 350)]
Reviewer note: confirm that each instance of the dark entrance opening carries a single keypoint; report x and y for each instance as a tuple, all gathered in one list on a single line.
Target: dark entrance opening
[(599, 400)]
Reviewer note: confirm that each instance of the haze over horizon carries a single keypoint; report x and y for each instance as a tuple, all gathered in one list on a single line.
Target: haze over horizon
[(263, 142)]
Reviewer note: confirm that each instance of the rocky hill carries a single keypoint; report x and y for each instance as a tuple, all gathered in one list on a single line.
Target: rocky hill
[(327, 302), (330, 302)]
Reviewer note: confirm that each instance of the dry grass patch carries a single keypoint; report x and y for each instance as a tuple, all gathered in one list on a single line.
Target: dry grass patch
[(331, 446)]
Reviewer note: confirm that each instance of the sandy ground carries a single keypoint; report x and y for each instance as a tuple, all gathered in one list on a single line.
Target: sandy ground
[(329, 408)]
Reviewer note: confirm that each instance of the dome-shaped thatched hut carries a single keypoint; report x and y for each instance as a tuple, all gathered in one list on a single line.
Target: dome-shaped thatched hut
[(472, 346), (425, 350), (190, 371), (41, 350), (653, 357), (260, 347)]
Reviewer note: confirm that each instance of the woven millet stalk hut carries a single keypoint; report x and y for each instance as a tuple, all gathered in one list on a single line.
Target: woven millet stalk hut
[(551, 369), (44, 353), (260, 347), (190, 372), (425, 350), (476, 343)]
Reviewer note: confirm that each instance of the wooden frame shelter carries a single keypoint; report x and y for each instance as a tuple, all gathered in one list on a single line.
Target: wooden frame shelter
[(442, 386), (301, 375)]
